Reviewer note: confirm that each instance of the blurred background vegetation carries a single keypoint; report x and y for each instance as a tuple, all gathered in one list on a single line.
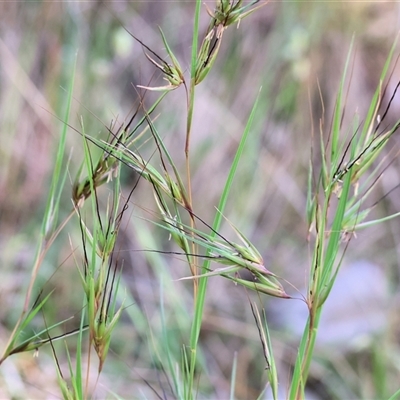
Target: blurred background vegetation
[(296, 52)]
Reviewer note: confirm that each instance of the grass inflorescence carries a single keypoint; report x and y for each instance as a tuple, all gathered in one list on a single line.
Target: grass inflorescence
[(149, 268)]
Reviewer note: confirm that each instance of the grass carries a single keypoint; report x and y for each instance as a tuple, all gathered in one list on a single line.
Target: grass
[(178, 217)]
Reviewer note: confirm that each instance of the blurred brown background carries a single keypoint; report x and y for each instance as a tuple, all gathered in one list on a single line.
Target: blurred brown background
[(288, 49)]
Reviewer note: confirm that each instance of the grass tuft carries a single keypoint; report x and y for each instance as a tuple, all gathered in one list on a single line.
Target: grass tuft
[(158, 302)]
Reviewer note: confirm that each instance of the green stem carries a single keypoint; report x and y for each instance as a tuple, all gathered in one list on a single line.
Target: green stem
[(198, 303)]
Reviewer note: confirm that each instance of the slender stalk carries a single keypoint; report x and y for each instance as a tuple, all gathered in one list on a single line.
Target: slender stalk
[(198, 303), (199, 306), (190, 108)]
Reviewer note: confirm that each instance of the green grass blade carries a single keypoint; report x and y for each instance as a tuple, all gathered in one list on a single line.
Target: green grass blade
[(78, 367), (233, 377), (216, 224), (367, 128), (395, 395), (51, 210), (195, 40), (334, 239), (338, 113)]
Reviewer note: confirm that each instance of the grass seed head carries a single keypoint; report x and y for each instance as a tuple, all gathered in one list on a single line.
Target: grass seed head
[(264, 285), (106, 169), (228, 12), (208, 52)]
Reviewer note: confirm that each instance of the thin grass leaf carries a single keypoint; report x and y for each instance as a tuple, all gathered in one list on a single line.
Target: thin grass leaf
[(195, 39), (35, 342), (338, 112), (164, 337), (272, 371), (187, 378), (175, 61), (48, 223), (57, 183), (197, 319), (395, 395), (334, 239), (62, 384), (311, 201), (27, 344), (78, 381), (375, 102), (376, 221), (233, 377)]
